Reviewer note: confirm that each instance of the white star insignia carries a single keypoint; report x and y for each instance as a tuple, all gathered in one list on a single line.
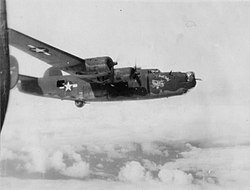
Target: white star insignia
[(68, 86), (39, 50)]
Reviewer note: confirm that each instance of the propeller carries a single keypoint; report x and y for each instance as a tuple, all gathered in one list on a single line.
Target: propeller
[(119, 58), (134, 74), (191, 76), (198, 79)]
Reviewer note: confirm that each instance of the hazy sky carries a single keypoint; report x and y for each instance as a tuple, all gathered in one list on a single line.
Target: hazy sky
[(210, 38)]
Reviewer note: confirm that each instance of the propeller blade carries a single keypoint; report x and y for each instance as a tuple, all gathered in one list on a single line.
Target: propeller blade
[(135, 75), (138, 80)]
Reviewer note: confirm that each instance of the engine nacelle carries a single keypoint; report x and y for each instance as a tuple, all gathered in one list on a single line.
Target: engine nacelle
[(52, 71), (99, 64), (13, 71)]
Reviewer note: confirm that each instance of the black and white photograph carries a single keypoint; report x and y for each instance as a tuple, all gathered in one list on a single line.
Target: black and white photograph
[(126, 94)]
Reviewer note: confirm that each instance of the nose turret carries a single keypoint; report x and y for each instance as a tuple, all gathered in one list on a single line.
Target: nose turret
[(191, 81)]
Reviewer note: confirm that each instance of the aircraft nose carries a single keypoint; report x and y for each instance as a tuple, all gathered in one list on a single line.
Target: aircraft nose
[(191, 79), (190, 76)]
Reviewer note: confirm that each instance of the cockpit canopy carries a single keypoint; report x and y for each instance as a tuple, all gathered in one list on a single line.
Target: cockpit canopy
[(154, 71)]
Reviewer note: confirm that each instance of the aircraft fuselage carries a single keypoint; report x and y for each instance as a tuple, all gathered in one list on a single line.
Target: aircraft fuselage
[(154, 84)]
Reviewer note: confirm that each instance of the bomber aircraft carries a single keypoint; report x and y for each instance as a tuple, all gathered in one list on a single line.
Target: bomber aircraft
[(94, 79)]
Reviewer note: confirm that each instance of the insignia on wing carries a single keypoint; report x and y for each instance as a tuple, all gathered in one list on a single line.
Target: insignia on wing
[(39, 50)]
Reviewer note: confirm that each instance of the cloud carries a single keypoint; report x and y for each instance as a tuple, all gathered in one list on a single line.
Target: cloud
[(56, 161), (150, 165), (17, 184), (151, 148), (6, 154), (196, 168), (176, 177), (224, 166), (133, 172), (79, 170), (37, 159), (217, 166)]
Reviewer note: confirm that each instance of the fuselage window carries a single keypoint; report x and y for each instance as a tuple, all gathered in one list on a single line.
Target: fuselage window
[(60, 83)]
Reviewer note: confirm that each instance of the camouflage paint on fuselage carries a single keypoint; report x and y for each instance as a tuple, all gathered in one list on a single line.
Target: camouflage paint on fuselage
[(171, 83), (154, 84)]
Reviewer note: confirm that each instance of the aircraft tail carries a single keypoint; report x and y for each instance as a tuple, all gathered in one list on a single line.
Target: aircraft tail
[(29, 85)]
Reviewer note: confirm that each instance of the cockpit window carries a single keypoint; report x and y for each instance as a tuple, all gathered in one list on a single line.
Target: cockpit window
[(154, 71)]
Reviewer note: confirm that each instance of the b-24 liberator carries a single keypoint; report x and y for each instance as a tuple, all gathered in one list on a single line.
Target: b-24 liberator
[(94, 79)]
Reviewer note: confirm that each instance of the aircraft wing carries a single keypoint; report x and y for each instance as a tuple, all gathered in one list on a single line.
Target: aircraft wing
[(45, 52)]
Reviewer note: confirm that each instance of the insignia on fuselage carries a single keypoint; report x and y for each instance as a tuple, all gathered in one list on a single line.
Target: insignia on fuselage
[(66, 85)]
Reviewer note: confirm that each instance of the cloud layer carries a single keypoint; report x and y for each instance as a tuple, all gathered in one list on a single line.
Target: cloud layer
[(185, 166)]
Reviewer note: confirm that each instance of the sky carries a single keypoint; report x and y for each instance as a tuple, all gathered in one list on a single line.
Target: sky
[(196, 141)]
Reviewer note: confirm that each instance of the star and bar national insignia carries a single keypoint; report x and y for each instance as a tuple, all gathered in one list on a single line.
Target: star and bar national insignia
[(39, 50)]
